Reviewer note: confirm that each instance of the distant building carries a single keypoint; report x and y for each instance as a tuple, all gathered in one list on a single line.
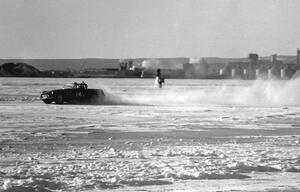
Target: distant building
[(204, 69), (238, 70), (95, 72), (189, 70)]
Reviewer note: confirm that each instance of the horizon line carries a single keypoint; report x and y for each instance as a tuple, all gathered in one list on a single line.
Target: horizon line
[(140, 57)]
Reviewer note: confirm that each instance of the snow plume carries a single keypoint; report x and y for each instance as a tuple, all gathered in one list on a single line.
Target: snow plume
[(211, 92), (258, 93), (270, 93)]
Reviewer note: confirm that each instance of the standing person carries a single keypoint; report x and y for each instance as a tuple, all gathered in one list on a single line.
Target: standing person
[(159, 80)]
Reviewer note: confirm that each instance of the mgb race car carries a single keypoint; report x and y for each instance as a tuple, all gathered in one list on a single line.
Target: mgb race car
[(73, 93)]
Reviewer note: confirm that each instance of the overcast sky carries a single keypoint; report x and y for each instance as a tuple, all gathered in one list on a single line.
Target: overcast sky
[(147, 28)]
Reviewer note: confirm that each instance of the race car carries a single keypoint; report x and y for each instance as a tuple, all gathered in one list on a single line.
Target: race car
[(73, 93)]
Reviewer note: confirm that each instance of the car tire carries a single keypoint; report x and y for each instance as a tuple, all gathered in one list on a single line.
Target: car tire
[(59, 99), (47, 101)]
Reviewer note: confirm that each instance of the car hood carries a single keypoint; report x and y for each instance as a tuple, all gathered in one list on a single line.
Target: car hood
[(47, 92)]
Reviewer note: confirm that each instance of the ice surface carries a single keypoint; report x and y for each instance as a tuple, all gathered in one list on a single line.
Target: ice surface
[(191, 135)]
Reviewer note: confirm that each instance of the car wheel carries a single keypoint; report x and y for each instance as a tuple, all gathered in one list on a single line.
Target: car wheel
[(47, 101), (59, 99)]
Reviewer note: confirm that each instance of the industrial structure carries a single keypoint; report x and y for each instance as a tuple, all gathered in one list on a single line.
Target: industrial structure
[(250, 68)]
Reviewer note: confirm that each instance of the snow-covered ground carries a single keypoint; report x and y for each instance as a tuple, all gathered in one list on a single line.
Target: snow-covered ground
[(191, 135)]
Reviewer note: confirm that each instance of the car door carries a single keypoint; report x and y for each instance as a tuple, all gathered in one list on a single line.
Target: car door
[(70, 94), (79, 94)]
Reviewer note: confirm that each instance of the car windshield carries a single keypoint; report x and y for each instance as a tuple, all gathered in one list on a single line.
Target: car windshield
[(75, 85), (69, 86)]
